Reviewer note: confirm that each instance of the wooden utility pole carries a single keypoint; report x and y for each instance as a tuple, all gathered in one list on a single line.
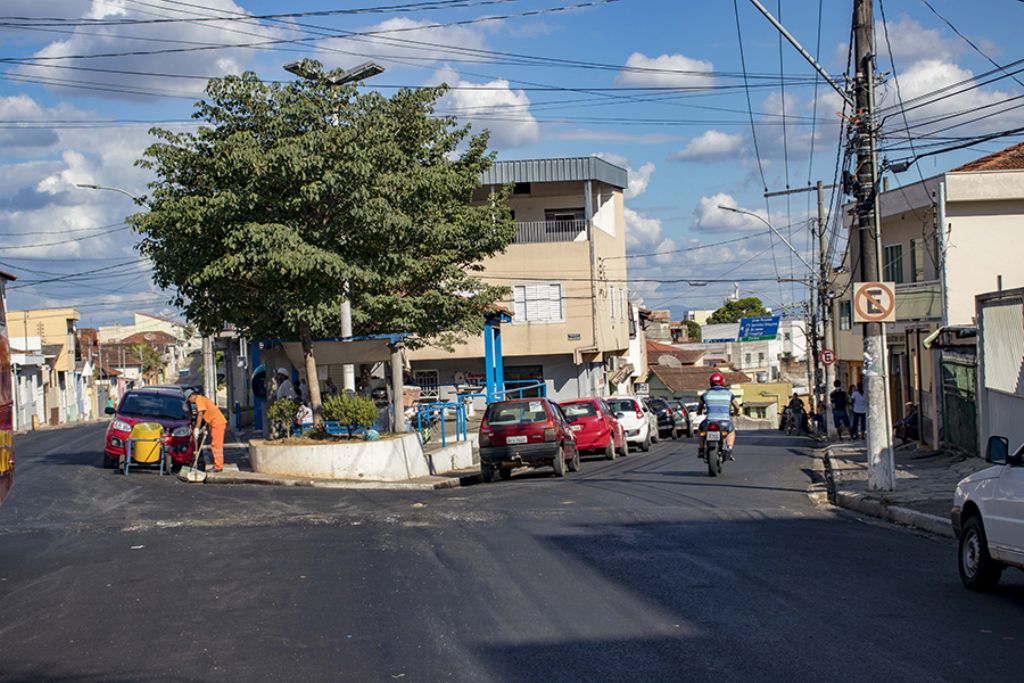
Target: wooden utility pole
[(881, 471)]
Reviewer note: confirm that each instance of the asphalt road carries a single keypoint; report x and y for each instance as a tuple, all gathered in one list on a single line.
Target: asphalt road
[(641, 569)]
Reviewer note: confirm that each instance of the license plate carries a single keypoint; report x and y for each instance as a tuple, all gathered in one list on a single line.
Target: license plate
[(576, 428), (714, 436), (515, 439)]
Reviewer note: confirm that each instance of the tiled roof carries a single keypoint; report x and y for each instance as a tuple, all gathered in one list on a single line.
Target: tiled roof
[(684, 356), (693, 378), (1009, 159)]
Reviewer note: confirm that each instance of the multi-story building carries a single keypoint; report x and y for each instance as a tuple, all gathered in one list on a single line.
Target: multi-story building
[(571, 317), (52, 331), (943, 240)]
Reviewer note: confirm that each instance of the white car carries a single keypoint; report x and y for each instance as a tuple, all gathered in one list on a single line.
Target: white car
[(635, 419), (988, 517), (695, 419)]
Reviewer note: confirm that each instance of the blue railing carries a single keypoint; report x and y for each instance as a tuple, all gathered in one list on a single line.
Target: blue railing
[(435, 412)]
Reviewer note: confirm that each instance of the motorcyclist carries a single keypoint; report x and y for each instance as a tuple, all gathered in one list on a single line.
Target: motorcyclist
[(718, 404)]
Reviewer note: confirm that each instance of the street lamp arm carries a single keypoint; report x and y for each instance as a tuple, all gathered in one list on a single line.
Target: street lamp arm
[(136, 198), (772, 228)]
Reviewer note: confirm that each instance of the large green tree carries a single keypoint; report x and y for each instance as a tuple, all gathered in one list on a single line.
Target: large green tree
[(290, 196), (732, 311)]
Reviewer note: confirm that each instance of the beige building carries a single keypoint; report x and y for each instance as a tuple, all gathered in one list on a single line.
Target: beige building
[(51, 331), (571, 317), (943, 241)]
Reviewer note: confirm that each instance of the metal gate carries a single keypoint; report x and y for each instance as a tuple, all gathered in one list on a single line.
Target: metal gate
[(959, 401)]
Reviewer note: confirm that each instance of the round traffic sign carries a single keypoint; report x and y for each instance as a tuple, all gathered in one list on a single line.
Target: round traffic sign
[(828, 356), (874, 302)]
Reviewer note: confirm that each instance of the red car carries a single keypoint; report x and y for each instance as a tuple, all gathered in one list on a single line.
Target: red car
[(530, 432), (597, 429), (165, 405)]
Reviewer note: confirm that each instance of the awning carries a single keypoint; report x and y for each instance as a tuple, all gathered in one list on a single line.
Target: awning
[(345, 351), (950, 335)]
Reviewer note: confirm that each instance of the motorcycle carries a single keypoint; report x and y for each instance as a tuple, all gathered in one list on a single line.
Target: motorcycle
[(713, 450)]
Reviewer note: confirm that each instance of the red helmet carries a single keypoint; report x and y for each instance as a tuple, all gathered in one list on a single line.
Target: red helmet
[(716, 379)]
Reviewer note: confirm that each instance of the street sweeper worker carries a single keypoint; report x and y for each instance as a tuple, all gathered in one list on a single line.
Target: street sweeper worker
[(208, 412)]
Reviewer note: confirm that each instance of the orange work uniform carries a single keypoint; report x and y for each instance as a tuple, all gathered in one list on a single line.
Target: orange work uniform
[(217, 423)]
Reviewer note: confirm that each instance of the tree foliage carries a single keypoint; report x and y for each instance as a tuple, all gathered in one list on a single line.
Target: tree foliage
[(351, 411), (152, 363), (692, 330), (291, 193), (733, 311)]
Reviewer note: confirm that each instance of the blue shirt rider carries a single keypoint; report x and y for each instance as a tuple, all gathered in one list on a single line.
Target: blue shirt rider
[(718, 404)]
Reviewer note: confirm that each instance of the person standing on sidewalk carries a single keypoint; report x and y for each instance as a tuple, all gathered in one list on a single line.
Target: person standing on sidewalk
[(860, 412), (840, 404), (208, 412)]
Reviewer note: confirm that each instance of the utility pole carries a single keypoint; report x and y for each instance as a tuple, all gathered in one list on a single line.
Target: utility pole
[(209, 370), (827, 319), (881, 471)]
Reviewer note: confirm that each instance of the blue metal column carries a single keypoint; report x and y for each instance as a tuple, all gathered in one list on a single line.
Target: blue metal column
[(499, 364), (489, 358)]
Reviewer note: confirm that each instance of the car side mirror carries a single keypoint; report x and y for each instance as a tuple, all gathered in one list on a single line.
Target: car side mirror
[(619, 415), (997, 451), (109, 410)]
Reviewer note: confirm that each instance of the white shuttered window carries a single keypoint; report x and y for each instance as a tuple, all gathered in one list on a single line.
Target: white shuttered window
[(537, 303)]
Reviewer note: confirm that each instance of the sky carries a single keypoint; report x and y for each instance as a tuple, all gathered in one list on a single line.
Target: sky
[(697, 99)]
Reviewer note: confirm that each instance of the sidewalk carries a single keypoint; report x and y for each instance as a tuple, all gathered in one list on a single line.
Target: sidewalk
[(925, 483)]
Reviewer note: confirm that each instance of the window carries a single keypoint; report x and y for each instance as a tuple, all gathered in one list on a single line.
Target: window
[(760, 358), (611, 301), (622, 303), (845, 315), (427, 381), (917, 260), (537, 303), (521, 188), (747, 361), (892, 264), (787, 336)]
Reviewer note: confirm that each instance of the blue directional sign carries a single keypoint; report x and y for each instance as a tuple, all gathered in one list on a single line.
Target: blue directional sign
[(764, 328)]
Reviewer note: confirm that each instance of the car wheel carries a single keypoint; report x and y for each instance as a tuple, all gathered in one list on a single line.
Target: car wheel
[(609, 450), (574, 464), (505, 473), (558, 464), (689, 431), (655, 436), (624, 450), (978, 571), (646, 445), (675, 434), (486, 472)]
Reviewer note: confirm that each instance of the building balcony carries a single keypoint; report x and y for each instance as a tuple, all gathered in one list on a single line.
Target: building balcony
[(533, 232), (919, 301)]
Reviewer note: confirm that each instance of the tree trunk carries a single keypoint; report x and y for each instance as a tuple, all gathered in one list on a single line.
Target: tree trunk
[(306, 337)]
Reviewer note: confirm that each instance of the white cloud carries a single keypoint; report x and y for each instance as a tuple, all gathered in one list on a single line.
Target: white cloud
[(910, 41), (147, 38), (493, 105), (638, 179), (613, 136), (707, 216), (401, 39), (641, 231), (711, 145), (676, 71)]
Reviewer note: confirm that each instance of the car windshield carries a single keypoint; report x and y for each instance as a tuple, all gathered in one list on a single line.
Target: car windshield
[(500, 414), (154, 405), (658, 405), (575, 411), (622, 405)]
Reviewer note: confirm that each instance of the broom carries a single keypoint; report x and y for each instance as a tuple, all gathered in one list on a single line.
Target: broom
[(193, 474)]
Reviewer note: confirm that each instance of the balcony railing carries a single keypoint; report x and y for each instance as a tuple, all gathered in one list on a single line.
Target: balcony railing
[(528, 232), (919, 301)]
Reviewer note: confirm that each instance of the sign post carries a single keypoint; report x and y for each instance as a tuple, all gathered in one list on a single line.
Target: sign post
[(828, 357), (874, 302)]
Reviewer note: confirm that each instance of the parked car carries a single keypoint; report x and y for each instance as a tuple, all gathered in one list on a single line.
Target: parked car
[(681, 417), (635, 419), (988, 517), (530, 432), (670, 424), (165, 405), (597, 428), (694, 416)]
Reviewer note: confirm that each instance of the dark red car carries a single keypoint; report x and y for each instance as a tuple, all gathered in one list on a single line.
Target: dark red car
[(529, 432), (597, 429), (164, 405)]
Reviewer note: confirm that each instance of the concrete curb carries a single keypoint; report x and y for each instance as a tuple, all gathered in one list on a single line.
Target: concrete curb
[(431, 484), (864, 504)]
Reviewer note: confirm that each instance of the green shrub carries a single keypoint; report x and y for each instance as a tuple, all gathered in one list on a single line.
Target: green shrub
[(351, 411), (281, 414)]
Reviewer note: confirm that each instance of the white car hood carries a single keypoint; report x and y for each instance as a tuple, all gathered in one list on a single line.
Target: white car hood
[(969, 484)]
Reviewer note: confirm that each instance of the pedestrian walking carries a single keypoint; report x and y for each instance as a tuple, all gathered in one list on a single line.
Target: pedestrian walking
[(840, 404), (208, 412), (284, 385), (860, 412), (330, 388)]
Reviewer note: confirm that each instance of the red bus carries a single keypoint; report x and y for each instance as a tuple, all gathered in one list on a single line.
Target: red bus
[(6, 398)]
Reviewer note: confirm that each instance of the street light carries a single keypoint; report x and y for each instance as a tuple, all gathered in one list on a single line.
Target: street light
[(138, 200), (353, 75), (770, 227)]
